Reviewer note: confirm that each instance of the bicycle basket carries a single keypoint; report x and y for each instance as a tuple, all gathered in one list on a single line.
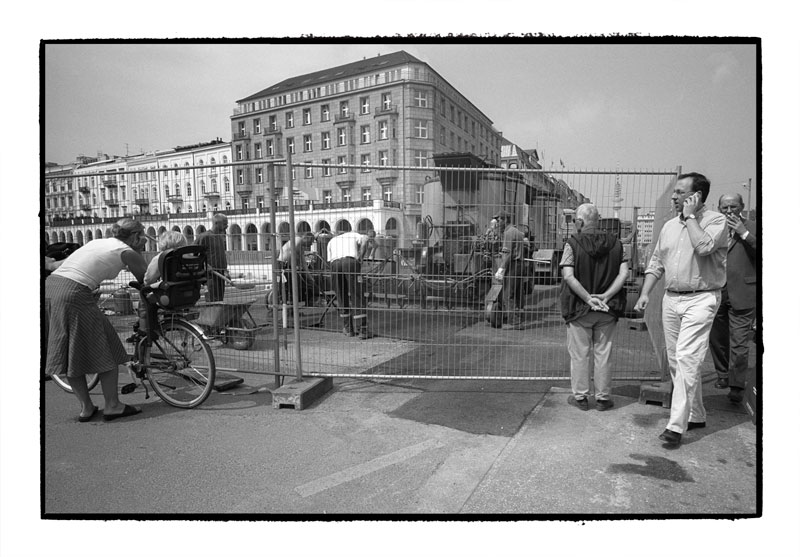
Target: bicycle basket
[(183, 270)]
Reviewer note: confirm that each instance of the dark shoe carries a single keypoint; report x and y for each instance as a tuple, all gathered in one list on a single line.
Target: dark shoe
[(128, 411), (365, 334), (722, 383), (580, 404), (348, 331), (84, 419), (736, 396), (670, 438), (695, 425), (604, 404)]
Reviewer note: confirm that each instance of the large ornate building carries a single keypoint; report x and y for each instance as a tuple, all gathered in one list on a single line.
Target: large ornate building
[(348, 129), (361, 138)]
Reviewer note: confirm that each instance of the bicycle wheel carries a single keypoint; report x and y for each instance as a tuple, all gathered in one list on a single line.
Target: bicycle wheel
[(92, 379), (180, 365)]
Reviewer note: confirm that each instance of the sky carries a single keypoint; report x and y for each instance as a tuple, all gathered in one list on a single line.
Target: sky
[(659, 106), (591, 106)]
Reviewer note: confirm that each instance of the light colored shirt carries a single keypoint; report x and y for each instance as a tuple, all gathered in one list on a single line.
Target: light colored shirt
[(95, 262), (345, 245), (153, 275), (685, 267), (285, 256)]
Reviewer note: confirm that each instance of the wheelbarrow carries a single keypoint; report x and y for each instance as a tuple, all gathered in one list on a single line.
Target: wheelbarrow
[(230, 322)]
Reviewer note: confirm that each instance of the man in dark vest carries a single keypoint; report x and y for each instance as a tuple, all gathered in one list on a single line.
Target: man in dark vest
[(730, 333), (594, 270)]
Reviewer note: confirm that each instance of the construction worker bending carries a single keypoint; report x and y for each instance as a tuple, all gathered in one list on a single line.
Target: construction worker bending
[(346, 251)]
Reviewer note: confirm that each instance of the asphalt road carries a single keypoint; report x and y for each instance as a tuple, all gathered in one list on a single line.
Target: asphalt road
[(378, 448)]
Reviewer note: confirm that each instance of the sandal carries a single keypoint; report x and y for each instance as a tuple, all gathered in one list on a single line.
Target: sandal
[(84, 419), (128, 411)]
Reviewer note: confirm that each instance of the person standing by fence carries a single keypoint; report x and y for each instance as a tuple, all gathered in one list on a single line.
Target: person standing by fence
[(214, 242), (730, 334), (511, 270), (593, 299), (305, 289), (345, 253), (690, 255)]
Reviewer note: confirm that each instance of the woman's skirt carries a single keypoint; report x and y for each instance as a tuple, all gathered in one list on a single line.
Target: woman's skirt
[(80, 338)]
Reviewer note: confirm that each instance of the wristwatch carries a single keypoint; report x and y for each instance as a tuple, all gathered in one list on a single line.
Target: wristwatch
[(692, 216)]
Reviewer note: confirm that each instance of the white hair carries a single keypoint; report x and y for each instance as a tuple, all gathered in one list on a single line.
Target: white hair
[(170, 239)]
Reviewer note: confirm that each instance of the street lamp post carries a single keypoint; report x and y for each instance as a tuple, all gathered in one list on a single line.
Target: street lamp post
[(749, 186)]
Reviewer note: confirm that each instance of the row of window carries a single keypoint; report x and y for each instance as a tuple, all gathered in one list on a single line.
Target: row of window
[(420, 159), (325, 90), (324, 114), (419, 100)]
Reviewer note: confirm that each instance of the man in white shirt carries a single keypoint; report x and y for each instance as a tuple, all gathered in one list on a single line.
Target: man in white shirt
[(690, 255), (345, 253)]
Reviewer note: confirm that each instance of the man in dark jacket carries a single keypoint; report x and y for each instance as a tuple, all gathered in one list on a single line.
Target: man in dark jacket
[(214, 242), (594, 270), (730, 333), (511, 270)]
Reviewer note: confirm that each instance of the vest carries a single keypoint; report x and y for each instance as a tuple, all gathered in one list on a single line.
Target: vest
[(597, 256)]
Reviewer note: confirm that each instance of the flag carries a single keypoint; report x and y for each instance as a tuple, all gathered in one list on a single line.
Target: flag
[(562, 163)]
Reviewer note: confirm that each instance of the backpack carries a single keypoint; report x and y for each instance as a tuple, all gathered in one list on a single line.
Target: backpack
[(59, 251), (183, 271)]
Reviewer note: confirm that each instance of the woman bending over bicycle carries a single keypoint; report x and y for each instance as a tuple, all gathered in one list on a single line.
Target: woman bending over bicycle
[(81, 340)]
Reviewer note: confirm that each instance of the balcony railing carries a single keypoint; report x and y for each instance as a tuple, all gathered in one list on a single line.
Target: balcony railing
[(175, 197), (142, 201), (344, 180), (110, 183), (273, 130), (210, 194), (344, 118), (241, 135), (83, 189), (112, 202), (381, 111), (86, 207), (387, 174), (244, 189)]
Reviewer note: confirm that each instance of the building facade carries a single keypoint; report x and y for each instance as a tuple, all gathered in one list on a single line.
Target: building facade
[(347, 128), (361, 138)]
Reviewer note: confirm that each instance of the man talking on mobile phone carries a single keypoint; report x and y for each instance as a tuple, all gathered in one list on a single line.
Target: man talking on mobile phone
[(690, 255)]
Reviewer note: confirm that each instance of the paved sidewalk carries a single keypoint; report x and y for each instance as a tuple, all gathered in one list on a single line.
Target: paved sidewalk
[(369, 447)]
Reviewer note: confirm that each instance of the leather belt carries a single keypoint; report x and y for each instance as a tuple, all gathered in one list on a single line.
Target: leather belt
[(684, 292)]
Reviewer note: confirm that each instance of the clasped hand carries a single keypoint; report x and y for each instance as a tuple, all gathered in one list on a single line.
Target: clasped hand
[(597, 303)]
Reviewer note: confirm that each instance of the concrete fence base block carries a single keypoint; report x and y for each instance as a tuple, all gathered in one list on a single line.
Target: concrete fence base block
[(301, 394), (658, 393)]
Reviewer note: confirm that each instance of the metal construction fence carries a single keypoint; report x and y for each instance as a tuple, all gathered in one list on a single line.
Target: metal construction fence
[(426, 279)]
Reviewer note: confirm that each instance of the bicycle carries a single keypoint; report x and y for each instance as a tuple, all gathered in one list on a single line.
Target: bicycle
[(174, 357), (170, 351)]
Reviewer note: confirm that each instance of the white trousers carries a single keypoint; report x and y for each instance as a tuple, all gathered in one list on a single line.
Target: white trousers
[(687, 320), (589, 341)]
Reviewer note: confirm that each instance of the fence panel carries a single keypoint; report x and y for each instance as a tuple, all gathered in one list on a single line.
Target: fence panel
[(425, 278)]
